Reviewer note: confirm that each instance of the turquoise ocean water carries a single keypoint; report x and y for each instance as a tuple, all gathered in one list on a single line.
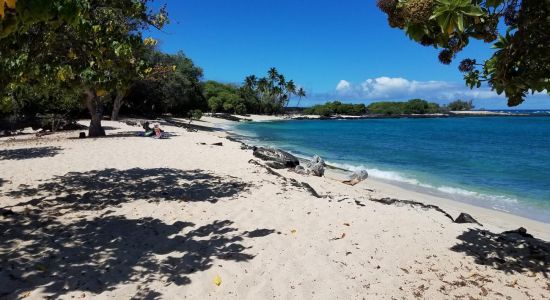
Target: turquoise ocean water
[(497, 162)]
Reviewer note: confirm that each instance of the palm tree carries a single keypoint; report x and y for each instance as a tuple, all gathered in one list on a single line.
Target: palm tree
[(301, 93), (272, 74), (290, 90), (250, 81), (281, 79)]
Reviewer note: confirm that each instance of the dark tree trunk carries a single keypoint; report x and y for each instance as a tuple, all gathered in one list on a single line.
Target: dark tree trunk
[(95, 107), (117, 104)]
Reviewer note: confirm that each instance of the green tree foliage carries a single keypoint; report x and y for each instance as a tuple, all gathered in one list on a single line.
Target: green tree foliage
[(270, 94), (337, 108), (414, 106), (460, 105), (521, 61), (172, 86), (194, 115), (90, 46), (267, 95), (223, 97)]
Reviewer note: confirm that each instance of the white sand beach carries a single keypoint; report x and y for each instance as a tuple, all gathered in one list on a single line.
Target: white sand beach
[(128, 217)]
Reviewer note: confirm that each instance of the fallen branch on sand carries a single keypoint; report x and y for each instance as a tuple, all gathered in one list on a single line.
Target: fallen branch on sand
[(390, 201), (306, 186), (293, 181)]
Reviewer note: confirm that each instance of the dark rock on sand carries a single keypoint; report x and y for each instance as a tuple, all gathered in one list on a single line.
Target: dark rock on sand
[(466, 218), (218, 144), (82, 135), (276, 155)]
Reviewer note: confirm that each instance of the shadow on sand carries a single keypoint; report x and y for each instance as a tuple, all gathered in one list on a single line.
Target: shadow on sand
[(508, 251), (38, 249), (127, 134), (29, 153), (96, 190)]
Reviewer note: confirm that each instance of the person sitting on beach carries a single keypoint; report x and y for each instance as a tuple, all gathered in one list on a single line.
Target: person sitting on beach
[(148, 130), (157, 132)]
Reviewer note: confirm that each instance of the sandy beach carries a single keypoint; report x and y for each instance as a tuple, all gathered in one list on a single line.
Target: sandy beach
[(128, 217)]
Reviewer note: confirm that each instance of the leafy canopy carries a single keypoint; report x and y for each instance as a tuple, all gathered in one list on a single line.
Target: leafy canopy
[(521, 61), (90, 46)]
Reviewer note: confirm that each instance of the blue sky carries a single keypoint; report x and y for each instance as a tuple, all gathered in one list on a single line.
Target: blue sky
[(334, 49)]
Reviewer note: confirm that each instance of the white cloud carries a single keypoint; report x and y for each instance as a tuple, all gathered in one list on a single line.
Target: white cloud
[(343, 85), (402, 89), (388, 88)]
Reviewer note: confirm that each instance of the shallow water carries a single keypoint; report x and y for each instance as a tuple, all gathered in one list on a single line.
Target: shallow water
[(497, 162)]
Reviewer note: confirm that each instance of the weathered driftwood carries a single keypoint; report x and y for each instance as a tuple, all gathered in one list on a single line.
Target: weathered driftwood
[(276, 155)]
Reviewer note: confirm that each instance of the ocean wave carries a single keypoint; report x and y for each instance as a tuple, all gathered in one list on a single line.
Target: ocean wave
[(486, 197), (496, 201), (389, 175)]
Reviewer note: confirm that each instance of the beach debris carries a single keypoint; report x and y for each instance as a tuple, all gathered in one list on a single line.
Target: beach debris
[(268, 169), (218, 144), (339, 238), (236, 140), (356, 177), (300, 170), (293, 231), (276, 155), (275, 165), (311, 190), (217, 280), (358, 203), (292, 181), (316, 166), (390, 201), (305, 186), (131, 123), (466, 218)]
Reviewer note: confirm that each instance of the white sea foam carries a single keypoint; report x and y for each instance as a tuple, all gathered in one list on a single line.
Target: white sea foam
[(388, 175), (495, 201)]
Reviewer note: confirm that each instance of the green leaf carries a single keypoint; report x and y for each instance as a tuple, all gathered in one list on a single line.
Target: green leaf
[(460, 23), (473, 11)]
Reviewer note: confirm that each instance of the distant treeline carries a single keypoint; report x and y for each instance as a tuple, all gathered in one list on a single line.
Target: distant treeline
[(336, 108), (413, 106)]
